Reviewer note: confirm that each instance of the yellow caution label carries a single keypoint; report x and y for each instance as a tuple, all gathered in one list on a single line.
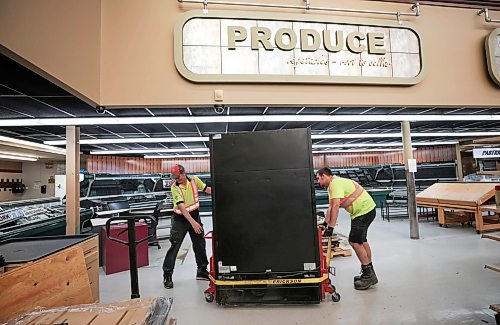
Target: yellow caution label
[(268, 282)]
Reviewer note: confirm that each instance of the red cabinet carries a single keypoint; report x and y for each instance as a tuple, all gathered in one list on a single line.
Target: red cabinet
[(115, 255)]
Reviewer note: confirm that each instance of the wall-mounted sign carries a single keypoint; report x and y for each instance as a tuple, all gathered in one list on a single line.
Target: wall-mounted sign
[(251, 47), (493, 55), (486, 153)]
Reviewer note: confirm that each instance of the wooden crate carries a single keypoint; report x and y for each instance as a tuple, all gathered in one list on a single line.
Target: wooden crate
[(90, 248), (60, 279)]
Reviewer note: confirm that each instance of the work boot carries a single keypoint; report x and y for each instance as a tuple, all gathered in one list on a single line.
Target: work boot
[(358, 277), (167, 281), (368, 278), (202, 274)]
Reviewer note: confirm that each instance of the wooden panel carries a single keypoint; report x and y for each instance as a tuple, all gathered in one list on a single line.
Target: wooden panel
[(93, 273), (57, 280), (91, 257), (89, 244)]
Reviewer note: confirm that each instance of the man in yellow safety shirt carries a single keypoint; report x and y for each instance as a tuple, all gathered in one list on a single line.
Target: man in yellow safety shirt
[(186, 219), (348, 194)]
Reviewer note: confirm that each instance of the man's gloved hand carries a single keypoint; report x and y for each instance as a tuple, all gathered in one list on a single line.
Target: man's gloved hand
[(324, 225), (328, 232)]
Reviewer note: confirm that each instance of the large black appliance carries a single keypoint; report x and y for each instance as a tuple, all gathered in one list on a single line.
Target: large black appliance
[(264, 215)]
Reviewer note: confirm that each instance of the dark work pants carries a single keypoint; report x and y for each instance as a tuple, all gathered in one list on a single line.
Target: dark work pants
[(180, 226)]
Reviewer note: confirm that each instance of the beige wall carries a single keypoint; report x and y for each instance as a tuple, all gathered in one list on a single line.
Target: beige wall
[(33, 175), (36, 174), (61, 37), (146, 75), (136, 66), (7, 169)]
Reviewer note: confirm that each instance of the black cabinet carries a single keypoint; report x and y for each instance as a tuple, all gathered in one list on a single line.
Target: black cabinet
[(264, 207)]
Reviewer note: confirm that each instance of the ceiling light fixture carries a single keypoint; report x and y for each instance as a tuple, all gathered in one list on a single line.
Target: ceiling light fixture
[(314, 152), (176, 156), (242, 119), (134, 151), (358, 150), (14, 157), (346, 145), (388, 144), (131, 140), (31, 145), (314, 137), (398, 135)]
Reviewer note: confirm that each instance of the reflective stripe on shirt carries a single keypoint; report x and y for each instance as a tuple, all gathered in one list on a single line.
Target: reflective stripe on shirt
[(351, 198), (191, 207)]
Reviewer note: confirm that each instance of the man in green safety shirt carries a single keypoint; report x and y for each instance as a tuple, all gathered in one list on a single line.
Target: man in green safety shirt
[(186, 219), (348, 194)]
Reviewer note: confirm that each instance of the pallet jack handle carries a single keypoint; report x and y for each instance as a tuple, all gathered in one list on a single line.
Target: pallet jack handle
[(209, 235), (132, 247)]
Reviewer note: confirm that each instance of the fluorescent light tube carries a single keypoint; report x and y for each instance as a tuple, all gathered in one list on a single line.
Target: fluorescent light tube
[(388, 144), (31, 145), (119, 152), (176, 156), (241, 119), (131, 140), (314, 136), (14, 157), (359, 150), (347, 145)]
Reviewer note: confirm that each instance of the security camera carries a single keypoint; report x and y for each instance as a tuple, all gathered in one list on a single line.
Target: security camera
[(100, 109), (219, 108)]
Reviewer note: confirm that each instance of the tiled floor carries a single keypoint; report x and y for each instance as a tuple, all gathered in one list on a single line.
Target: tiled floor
[(439, 279)]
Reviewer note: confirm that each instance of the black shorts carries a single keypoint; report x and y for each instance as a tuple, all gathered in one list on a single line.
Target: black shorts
[(359, 227)]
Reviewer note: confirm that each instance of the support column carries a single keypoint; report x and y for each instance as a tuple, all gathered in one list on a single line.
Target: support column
[(72, 180), (460, 169), (410, 181)]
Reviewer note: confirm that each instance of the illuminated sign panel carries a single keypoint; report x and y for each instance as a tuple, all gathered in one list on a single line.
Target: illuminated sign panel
[(251, 47)]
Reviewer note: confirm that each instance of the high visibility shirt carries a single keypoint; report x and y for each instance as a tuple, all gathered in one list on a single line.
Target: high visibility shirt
[(356, 200), (187, 194)]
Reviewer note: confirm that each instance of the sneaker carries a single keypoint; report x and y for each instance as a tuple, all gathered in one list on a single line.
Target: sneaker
[(202, 274), (167, 282)]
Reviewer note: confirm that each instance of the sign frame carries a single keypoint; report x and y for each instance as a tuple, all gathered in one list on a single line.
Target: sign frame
[(486, 153), (292, 79), (490, 56)]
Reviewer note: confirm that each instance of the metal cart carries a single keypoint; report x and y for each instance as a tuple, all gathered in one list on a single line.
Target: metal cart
[(324, 279)]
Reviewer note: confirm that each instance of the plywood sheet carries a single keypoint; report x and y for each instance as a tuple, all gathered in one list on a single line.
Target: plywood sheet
[(57, 280), (462, 194)]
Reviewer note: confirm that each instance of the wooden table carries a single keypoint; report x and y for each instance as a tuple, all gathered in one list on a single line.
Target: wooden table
[(494, 307), (461, 203), (495, 236), (491, 221)]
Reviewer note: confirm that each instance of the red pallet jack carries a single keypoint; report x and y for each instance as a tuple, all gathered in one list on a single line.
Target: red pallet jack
[(324, 279)]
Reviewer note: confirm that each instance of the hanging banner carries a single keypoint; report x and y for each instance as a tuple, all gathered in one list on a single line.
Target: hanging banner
[(255, 47), (493, 55)]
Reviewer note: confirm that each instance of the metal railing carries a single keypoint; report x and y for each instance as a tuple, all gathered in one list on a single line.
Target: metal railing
[(415, 8), (487, 17)]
